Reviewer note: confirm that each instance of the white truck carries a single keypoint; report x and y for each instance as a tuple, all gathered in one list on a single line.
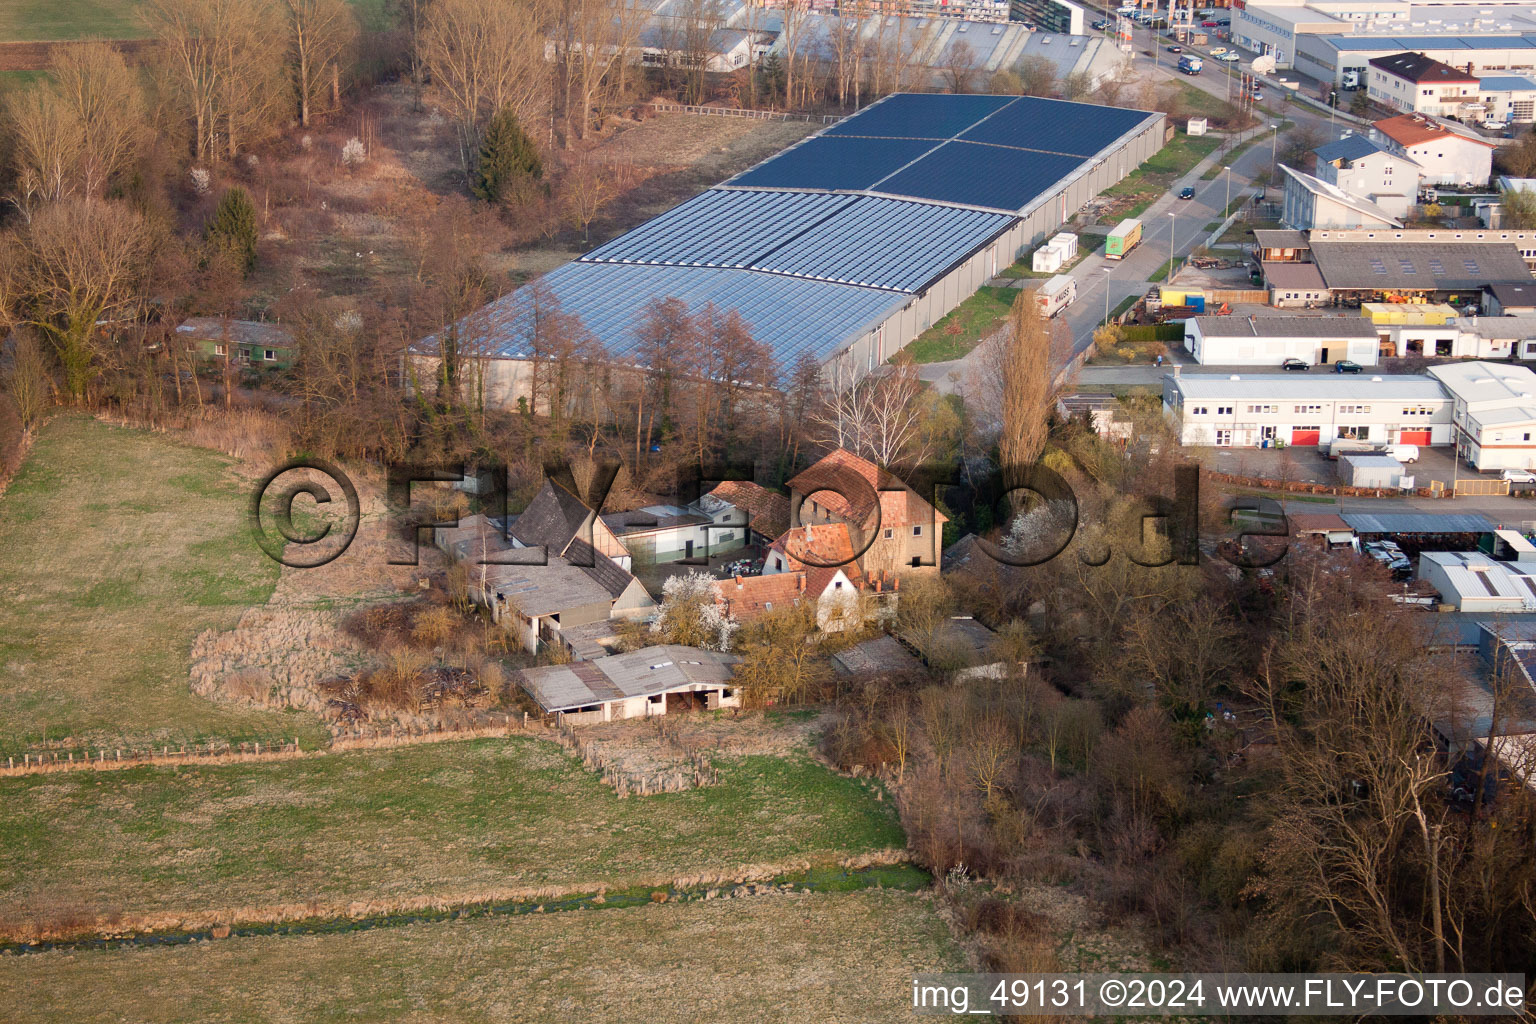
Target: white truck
[(1056, 295)]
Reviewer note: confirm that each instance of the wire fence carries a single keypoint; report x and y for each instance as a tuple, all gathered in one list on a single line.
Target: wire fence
[(752, 115), (355, 737)]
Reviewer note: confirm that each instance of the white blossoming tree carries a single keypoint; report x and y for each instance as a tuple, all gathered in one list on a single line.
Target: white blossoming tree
[(690, 615)]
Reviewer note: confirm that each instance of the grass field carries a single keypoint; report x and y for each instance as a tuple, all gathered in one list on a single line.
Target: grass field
[(962, 327), (35, 20), (117, 547), (819, 957), (441, 820), (40, 20)]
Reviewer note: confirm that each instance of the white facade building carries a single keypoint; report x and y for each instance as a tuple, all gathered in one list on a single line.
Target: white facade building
[(1507, 98), (1447, 153), (1367, 168), (1494, 412), (1270, 340), (1266, 409), (1312, 203), (1416, 83)]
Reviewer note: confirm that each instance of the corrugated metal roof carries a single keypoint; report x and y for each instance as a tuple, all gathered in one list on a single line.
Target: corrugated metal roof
[(1417, 522), (1286, 326), (648, 671), (790, 315), (896, 244), (1386, 265)]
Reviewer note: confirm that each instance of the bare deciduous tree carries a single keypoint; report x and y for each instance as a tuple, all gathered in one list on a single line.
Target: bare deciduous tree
[(320, 32)]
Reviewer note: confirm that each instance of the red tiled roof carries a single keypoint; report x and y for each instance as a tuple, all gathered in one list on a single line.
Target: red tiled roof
[(747, 597), (767, 511), (849, 488), (1412, 129), (820, 550)]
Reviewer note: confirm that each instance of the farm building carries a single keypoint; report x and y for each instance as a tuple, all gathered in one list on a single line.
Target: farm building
[(1253, 410), (650, 681), (847, 245), (246, 342)]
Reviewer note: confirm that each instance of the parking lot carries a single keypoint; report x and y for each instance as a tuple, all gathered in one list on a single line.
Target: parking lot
[(1308, 465)]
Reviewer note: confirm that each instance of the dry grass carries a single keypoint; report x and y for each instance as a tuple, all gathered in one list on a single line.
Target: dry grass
[(442, 821), (117, 546), (820, 957)]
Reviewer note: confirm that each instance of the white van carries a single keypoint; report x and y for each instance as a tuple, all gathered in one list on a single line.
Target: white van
[(1404, 453)]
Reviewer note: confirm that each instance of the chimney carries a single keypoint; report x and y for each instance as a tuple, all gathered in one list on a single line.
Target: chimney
[(896, 583), (738, 582), (878, 582), (800, 582)]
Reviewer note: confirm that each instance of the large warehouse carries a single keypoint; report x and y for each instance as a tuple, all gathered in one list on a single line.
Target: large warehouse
[(851, 243)]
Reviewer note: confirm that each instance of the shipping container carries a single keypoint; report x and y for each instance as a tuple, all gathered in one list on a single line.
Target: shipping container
[(1066, 241), (1047, 260), (1056, 295), (1123, 239)]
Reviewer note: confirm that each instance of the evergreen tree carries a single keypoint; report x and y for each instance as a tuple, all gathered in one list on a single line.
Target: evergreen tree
[(232, 228), (509, 163)]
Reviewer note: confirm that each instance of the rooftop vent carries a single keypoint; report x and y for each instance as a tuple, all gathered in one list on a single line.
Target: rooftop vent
[(1234, 377)]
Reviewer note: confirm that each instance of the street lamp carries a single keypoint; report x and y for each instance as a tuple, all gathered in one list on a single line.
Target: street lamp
[(1274, 150), (1108, 272), (1227, 210), (1172, 225)]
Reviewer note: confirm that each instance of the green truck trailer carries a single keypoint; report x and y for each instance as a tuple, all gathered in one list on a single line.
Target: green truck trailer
[(1125, 237)]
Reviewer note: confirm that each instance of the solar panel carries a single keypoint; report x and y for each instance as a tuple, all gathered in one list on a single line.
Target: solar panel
[(1407, 266), (920, 116), (1471, 265), (1378, 266), (1055, 126), (834, 162), (974, 175), (1436, 267)]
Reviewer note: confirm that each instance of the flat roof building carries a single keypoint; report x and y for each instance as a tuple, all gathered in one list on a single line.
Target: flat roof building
[(1237, 411), (1494, 413), (1270, 340)]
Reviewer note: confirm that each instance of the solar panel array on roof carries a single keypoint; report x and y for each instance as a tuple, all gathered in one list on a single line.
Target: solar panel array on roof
[(997, 152), (834, 162), (844, 238), (790, 315), (920, 116)]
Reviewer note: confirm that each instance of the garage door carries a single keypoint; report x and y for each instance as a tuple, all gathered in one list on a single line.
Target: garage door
[(1301, 435), (1413, 437)]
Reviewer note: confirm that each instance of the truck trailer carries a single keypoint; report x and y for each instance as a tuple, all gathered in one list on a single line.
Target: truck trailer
[(1056, 295), (1125, 237)]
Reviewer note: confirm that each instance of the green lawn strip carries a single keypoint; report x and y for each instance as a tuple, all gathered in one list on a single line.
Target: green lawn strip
[(432, 820), (958, 331), (822, 956), (1161, 273), (47, 20), (117, 547), (1124, 304)]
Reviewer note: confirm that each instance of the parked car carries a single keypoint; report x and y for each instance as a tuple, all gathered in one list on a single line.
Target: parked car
[(1186, 193), (1258, 97), (1230, 57), (1101, 25), (1295, 364), (1208, 24), (1519, 476), (1391, 556), (1217, 51), (1346, 366), (1405, 453), (1175, 49)]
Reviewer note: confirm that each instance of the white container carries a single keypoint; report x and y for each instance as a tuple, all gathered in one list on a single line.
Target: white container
[(1066, 241), (1047, 260)]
